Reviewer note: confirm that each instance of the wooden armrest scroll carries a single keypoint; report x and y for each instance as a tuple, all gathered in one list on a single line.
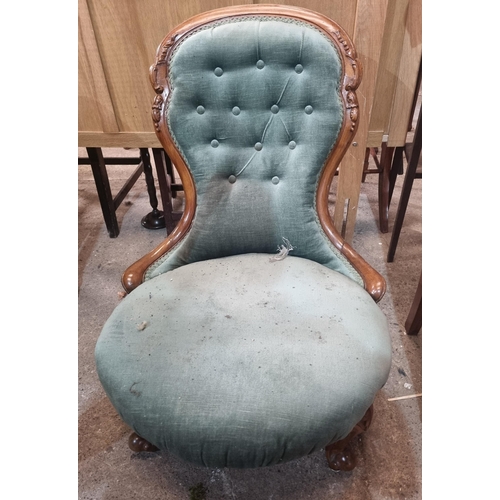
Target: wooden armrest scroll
[(374, 283), (134, 275)]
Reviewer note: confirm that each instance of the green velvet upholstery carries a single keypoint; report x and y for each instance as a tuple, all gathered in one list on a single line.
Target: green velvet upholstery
[(244, 362), (255, 110), (223, 356)]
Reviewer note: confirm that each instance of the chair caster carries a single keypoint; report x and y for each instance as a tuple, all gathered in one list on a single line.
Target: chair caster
[(138, 444)]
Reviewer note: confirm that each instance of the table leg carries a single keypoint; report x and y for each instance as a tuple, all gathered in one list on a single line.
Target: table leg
[(155, 218), (103, 190), (164, 170), (411, 171), (413, 322), (383, 186)]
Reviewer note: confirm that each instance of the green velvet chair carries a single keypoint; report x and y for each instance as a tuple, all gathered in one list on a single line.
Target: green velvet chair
[(251, 336)]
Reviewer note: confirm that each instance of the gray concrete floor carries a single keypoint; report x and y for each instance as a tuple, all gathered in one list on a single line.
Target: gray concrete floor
[(389, 454)]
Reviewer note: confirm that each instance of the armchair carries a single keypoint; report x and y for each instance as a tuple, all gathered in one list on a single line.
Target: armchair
[(251, 336)]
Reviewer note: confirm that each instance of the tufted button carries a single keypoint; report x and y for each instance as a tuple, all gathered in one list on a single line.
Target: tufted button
[(308, 109), (275, 180), (215, 143), (232, 179), (258, 146), (218, 71), (292, 144), (200, 110), (275, 108), (236, 111), (260, 64), (299, 68)]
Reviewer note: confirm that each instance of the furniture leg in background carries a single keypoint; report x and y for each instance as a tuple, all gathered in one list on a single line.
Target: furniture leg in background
[(168, 188), (413, 322), (411, 174), (384, 186), (154, 219), (109, 203)]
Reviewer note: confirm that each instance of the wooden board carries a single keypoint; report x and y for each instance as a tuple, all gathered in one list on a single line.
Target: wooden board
[(368, 35), (388, 69), (411, 53)]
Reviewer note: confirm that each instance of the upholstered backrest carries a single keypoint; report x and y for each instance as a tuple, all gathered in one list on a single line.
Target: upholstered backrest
[(253, 105)]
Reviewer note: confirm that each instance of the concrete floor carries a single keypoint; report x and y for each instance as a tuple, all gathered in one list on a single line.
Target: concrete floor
[(389, 454)]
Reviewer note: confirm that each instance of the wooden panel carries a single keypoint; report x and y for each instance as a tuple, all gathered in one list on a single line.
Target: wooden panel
[(95, 109), (411, 53), (341, 11), (118, 139), (127, 34), (368, 35), (387, 76)]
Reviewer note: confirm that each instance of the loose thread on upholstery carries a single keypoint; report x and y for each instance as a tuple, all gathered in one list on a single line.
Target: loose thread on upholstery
[(283, 251)]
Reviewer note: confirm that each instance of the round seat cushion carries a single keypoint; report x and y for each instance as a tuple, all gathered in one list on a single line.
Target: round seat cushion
[(243, 361)]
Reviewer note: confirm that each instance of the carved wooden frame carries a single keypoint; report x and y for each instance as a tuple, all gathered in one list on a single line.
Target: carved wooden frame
[(374, 283)]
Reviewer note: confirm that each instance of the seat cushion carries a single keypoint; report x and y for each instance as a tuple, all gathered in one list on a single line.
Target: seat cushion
[(243, 361)]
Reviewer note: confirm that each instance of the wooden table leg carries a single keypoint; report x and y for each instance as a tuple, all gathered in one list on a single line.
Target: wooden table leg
[(155, 218), (103, 190), (164, 171), (411, 171), (413, 322), (383, 186), (396, 169)]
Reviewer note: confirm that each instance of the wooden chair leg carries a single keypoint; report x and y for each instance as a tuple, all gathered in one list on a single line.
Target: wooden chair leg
[(413, 322), (410, 175), (396, 169), (339, 455), (365, 165), (138, 444), (383, 186)]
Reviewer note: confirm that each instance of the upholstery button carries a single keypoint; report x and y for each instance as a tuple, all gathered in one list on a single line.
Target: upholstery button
[(258, 146), (260, 64), (215, 143), (275, 180), (292, 144), (275, 108), (308, 110), (232, 179), (218, 71), (200, 110), (236, 111), (299, 68)]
